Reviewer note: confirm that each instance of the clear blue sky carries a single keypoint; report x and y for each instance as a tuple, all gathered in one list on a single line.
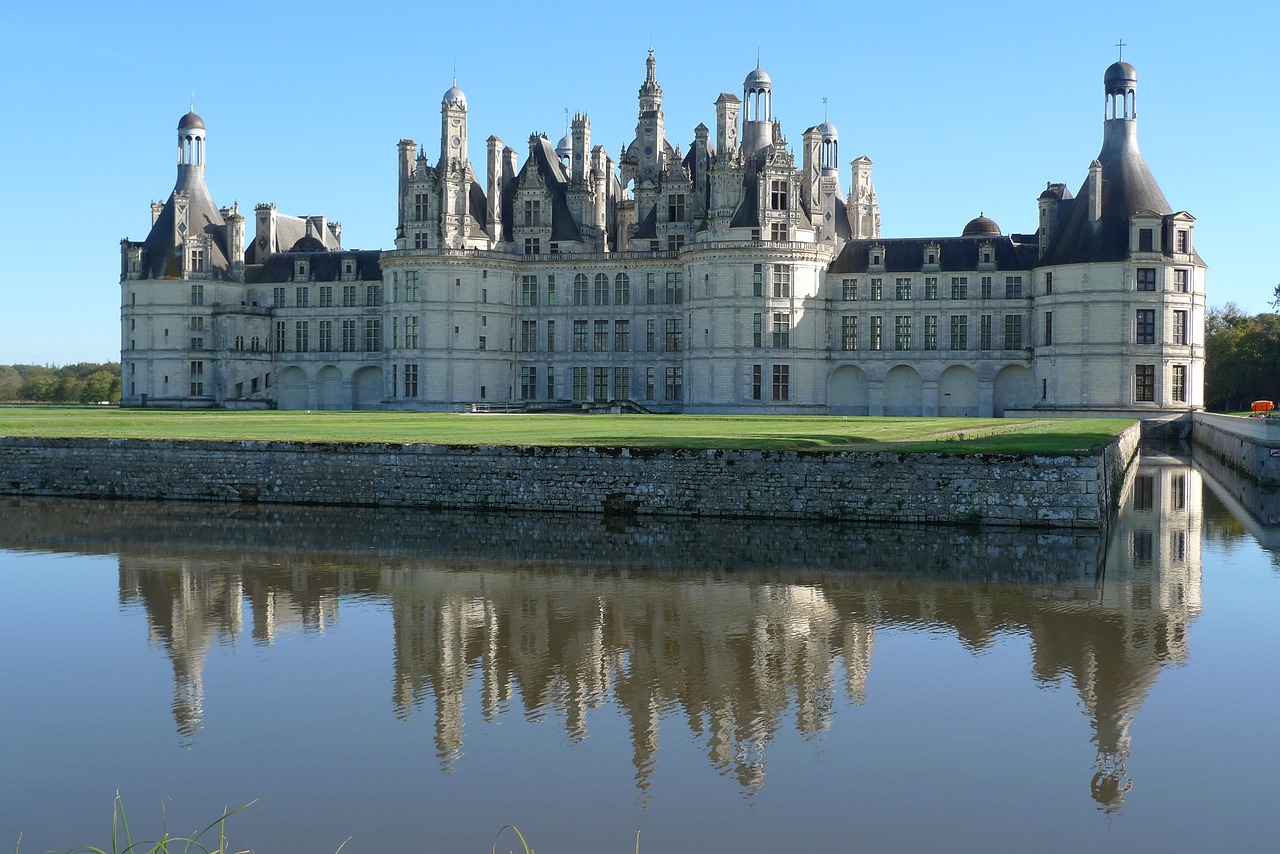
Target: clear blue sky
[(963, 108)]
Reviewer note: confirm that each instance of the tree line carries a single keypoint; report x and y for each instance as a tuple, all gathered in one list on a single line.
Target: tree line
[(1242, 358), (84, 382)]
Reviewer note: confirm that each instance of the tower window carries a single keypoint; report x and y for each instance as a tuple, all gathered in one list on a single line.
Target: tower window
[(532, 215), (778, 195), (675, 207), (1145, 240), (1146, 279)]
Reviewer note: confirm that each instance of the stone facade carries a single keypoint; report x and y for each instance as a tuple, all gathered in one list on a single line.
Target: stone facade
[(731, 278), (1030, 491)]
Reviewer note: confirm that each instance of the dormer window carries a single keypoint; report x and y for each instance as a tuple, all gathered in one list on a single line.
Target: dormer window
[(348, 268), (302, 269), (532, 213), (1182, 241), (197, 260), (1146, 239), (778, 195)]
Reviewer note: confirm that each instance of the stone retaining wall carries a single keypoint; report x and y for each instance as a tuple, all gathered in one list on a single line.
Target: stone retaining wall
[(1028, 491), (1245, 445)]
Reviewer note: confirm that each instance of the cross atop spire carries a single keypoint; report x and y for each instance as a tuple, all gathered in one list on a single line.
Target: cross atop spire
[(1120, 45)]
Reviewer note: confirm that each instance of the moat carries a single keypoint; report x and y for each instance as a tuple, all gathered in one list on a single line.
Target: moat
[(415, 681)]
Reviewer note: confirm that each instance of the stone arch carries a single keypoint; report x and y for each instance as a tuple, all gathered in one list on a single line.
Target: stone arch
[(366, 388), (292, 388), (847, 391), (903, 391), (958, 392), (329, 388), (1014, 388)]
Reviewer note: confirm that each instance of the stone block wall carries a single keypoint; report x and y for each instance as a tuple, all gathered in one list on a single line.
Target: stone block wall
[(1026, 491), (1244, 445)]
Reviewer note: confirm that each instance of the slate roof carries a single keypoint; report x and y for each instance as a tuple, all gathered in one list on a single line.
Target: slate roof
[(325, 266), (161, 252), (543, 158), (955, 254)]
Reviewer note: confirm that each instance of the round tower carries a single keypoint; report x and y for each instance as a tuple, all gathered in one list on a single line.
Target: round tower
[(757, 112), (190, 149)]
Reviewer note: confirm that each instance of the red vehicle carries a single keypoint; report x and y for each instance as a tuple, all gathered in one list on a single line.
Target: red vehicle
[(1262, 408)]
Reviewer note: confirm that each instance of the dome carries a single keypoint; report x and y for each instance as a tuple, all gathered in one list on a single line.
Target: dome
[(1119, 74), (191, 120), (981, 226), (564, 148), (308, 244), (454, 96), (828, 131), (757, 80)]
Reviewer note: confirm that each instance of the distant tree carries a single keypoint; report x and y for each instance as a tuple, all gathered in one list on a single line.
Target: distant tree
[(1242, 358), (83, 382)]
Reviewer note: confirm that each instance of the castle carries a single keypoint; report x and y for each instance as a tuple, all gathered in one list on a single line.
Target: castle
[(724, 279)]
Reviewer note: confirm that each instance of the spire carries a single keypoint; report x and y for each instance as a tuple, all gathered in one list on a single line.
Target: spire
[(650, 91)]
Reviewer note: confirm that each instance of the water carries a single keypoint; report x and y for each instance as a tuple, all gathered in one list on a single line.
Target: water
[(418, 681)]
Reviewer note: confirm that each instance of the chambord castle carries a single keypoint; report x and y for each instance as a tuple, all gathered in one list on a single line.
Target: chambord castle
[(725, 279)]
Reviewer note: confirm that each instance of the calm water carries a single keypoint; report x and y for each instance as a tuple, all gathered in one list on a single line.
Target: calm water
[(417, 681)]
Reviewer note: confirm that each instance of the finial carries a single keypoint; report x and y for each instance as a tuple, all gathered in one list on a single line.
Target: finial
[(566, 121), (193, 100), (455, 71), (757, 54), (824, 109), (1120, 45)]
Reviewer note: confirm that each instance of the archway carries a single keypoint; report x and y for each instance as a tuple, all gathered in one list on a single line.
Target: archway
[(958, 392), (366, 388), (1013, 388), (292, 392), (903, 391), (847, 391), (329, 388)]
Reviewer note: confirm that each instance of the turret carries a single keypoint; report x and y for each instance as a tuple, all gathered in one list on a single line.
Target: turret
[(757, 117), (727, 109), (453, 126), (190, 150), (651, 125)]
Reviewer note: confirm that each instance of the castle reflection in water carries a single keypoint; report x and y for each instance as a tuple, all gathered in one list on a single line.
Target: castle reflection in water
[(736, 629)]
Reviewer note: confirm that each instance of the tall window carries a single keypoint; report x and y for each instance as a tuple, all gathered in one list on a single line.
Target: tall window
[(778, 195), (373, 295), (674, 389), (1013, 287), (757, 380), (601, 342), (278, 297), (622, 383), (959, 287), (1182, 241), (649, 382), (984, 332), (410, 380), (581, 379), (1048, 284), (372, 335), (902, 290), (579, 336), (1180, 383), (650, 289), (197, 260), (1013, 332), (348, 336), (551, 382), (877, 289), (326, 293), (301, 336), (781, 382), (1048, 329), (348, 296), (551, 336), (675, 288), (1144, 389), (621, 336), (528, 290), (411, 291), (849, 289), (757, 329), (781, 281), (675, 207), (849, 332), (326, 336), (197, 294), (877, 332), (1146, 279), (1144, 329), (1180, 327), (757, 281), (528, 336), (581, 295), (902, 332), (986, 287), (600, 294), (622, 289), (420, 204), (931, 332), (781, 330), (281, 335), (1180, 281), (959, 332), (197, 378), (532, 213), (302, 297), (551, 290), (411, 331), (931, 287), (1145, 240), (674, 335), (600, 384)]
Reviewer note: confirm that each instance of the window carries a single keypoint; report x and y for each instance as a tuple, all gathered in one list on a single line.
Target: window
[(197, 260), (757, 329), (601, 342), (781, 382), (649, 382), (902, 289), (622, 289), (528, 290), (781, 330), (757, 380), (1013, 332), (622, 383), (326, 292), (420, 206), (877, 332), (551, 290), (1013, 287), (674, 389), (373, 295), (600, 384), (779, 231), (301, 336), (410, 380), (348, 336), (902, 332), (1180, 281), (986, 287), (420, 240), (302, 297), (532, 246), (757, 281), (277, 297), (532, 214), (483, 343), (581, 296), (777, 195), (849, 332), (1146, 279), (600, 294), (1180, 327), (197, 378), (326, 336), (348, 296), (1048, 329), (1048, 284), (1180, 383), (675, 207), (959, 332), (675, 288), (984, 332), (931, 332), (373, 335), (197, 323), (781, 282), (650, 295), (674, 335), (621, 336), (197, 295), (1144, 390), (849, 289), (1182, 241), (931, 287), (579, 336), (877, 287), (1144, 331), (551, 336), (650, 333), (281, 335), (580, 379), (528, 336), (551, 382), (959, 287), (197, 343), (1145, 240)]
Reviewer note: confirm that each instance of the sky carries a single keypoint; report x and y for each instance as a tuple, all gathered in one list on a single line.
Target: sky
[(963, 108)]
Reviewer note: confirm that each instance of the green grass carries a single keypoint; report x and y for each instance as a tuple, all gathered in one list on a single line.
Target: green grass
[(800, 433)]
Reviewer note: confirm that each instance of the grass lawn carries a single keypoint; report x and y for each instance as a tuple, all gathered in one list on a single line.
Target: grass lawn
[(952, 435)]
